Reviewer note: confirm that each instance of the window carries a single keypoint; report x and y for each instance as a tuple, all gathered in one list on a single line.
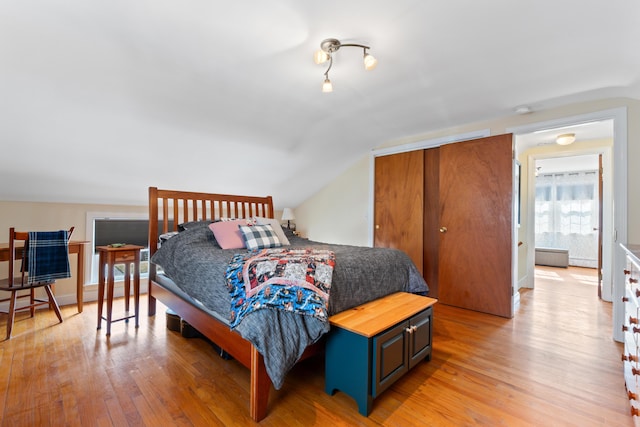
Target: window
[(118, 227), (122, 230), (566, 214)]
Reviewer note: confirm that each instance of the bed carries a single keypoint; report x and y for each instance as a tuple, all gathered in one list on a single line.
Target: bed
[(187, 274)]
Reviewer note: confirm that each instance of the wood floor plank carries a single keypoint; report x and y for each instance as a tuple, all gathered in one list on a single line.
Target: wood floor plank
[(554, 363)]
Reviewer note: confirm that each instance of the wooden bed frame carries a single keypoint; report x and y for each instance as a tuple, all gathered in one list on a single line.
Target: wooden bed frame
[(167, 209)]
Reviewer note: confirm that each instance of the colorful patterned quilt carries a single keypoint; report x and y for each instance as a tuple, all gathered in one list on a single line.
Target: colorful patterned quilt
[(296, 280)]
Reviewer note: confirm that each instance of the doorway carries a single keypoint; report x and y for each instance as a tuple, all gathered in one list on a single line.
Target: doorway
[(539, 147), (568, 215), (615, 189)]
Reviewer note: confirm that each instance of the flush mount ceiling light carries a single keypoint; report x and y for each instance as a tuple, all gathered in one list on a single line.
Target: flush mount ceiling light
[(523, 109), (328, 47), (566, 138)]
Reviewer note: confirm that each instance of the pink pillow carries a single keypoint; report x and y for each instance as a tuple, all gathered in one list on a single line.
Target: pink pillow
[(228, 234)]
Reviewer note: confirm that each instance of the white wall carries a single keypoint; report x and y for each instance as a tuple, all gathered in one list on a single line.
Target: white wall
[(339, 212)]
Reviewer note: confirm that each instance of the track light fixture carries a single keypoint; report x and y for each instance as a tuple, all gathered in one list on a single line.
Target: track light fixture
[(328, 47)]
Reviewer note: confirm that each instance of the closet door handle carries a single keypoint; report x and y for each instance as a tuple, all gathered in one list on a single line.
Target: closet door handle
[(443, 229)]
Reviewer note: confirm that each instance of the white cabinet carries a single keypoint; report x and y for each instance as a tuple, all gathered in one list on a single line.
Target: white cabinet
[(631, 329)]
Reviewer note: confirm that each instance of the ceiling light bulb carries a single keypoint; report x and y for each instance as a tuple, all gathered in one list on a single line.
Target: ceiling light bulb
[(320, 56), (370, 62), (566, 138), (327, 86)]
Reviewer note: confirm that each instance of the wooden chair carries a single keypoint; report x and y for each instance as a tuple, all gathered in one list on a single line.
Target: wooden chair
[(16, 283)]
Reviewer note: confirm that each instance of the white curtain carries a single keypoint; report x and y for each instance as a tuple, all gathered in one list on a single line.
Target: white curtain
[(567, 215)]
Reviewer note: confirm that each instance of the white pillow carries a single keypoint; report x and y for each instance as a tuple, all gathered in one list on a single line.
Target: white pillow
[(277, 229)]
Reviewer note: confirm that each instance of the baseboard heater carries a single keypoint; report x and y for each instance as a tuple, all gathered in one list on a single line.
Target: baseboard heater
[(552, 257)]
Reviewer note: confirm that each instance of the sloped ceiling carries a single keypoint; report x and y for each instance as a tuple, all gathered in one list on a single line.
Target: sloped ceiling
[(101, 99)]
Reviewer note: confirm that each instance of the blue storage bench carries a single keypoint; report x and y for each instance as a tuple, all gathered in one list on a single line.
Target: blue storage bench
[(370, 346)]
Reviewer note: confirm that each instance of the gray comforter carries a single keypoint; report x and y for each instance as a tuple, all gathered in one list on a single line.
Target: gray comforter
[(197, 265)]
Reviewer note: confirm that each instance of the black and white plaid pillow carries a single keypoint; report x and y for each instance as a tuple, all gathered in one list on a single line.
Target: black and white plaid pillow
[(259, 236)]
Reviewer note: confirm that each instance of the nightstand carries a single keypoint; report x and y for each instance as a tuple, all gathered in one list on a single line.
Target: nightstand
[(109, 257)]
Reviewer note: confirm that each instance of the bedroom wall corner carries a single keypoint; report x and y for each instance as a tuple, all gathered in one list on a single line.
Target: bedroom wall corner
[(339, 212)]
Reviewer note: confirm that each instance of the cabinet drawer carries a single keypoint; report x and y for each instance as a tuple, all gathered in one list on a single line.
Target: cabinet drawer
[(420, 337), (631, 329), (390, 357), (631, 370), (631, 325), (630, 353), (125, 256), (631, 386), (632, 274)]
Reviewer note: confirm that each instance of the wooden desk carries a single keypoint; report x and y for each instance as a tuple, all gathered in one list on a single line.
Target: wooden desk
[(109, 257), (75, 247)]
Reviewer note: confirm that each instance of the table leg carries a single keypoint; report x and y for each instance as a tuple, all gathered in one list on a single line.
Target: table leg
[(136, 287), (110, 284), (80, 279), (127, 285), (100, 288)]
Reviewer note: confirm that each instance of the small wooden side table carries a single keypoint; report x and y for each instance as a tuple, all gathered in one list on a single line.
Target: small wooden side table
[(109, 257)]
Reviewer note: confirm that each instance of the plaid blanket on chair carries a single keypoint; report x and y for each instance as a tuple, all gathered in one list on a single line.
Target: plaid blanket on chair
[(47, 255)]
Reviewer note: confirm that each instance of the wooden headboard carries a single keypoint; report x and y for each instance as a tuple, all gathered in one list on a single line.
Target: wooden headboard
[(169, 208)]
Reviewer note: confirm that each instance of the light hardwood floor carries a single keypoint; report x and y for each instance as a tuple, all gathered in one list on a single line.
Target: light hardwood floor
[(553, 364)]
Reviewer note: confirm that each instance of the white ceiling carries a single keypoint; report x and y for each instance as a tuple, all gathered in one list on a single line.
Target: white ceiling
[(565, 162), (590, 131), (101, 99)]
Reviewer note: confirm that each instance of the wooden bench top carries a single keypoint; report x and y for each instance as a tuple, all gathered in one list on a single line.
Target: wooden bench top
[(374, 317)]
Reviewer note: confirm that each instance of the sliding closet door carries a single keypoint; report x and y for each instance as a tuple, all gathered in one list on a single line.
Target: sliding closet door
[(399, 203), (431, 240), (476, 225)]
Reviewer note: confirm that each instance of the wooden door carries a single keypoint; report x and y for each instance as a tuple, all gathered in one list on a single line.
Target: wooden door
[(600, 185), (431, 239), (475, 253), (398, 206)]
